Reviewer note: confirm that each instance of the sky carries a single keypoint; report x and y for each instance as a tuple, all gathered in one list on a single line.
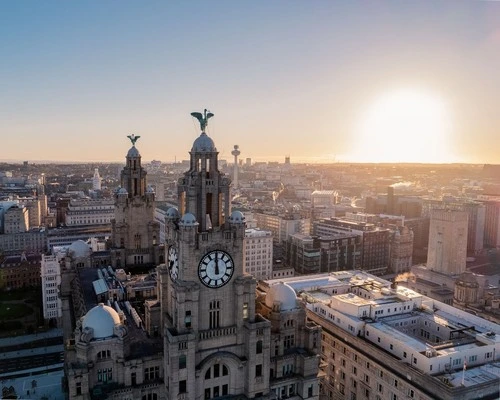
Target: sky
[(319, 81)]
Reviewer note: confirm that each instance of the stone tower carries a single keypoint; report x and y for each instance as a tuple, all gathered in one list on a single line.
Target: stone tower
[(135, 233), (214, 343)]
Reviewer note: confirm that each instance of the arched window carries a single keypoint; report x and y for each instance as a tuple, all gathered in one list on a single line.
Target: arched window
[(218, 381)]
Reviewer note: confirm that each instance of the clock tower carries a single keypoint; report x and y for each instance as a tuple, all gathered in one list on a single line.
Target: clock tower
[(215, 344), (134, 231)]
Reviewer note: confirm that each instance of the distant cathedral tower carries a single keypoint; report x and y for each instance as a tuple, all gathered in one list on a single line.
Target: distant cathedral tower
[(213, 340), (135, 233)]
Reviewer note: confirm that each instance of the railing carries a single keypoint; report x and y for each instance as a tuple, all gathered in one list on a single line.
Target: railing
[(214, 333)]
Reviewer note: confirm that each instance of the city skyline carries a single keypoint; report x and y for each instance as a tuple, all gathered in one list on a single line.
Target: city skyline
[(320, 82)]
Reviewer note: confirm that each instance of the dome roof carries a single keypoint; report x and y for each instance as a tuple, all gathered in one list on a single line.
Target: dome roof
[(79, 249), (122, 191), (102, 319), (188, 219), (173, 213), (150, 189), (203, 144), (133, 152), (283, 294), (237, 217)]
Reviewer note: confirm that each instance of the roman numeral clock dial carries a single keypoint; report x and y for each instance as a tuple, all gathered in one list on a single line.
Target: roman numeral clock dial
[(215, 269)]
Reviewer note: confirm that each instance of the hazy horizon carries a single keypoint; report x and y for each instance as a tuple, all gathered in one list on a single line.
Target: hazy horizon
[(336, 81)]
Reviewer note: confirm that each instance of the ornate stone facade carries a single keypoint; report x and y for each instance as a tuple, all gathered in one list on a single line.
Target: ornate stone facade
[(215, 344), (135, 233)]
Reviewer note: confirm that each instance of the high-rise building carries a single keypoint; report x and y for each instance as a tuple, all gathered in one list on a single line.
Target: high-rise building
[(447, 241), (135, 233), (492, 223), (50, 272), (258, 253), (476, 217)]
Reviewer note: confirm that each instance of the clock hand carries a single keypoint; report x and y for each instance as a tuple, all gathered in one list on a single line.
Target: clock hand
[(216, 264)]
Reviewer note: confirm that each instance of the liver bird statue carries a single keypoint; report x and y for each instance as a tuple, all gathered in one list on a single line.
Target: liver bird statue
[(133, 139), (203, 118)]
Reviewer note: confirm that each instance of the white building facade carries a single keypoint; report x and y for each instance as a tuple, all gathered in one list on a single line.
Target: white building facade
[(383, 341), (258, 253), (90, 212), (50, 273)]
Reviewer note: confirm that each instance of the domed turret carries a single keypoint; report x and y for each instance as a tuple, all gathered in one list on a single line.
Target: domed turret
[(133, 152), (79, 249), (188, 219), (102, 319), (282, 294), (203, 144), (237, 217), (173, 213)]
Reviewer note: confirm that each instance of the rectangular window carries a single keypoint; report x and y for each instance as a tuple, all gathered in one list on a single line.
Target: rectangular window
[(187, 319), (258, 370), (182, 361), (182, 386)]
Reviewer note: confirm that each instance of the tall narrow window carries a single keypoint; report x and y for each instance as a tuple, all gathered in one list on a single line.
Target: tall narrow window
[(245, 310), (187, 319), (214, 314), (258, 347)]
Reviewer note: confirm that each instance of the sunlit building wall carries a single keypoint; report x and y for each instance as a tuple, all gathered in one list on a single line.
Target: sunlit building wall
[(447, 251)]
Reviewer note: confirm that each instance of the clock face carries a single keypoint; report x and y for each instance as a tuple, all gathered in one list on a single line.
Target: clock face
[(173, 263), (216, 269)]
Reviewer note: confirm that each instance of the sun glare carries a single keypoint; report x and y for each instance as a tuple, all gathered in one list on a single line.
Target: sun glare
[(404, 126)]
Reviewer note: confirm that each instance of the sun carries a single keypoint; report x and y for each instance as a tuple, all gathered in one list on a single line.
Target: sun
[(405, 125)]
